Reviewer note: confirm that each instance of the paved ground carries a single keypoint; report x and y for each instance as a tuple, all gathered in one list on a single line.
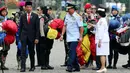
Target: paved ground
[(57, 58)]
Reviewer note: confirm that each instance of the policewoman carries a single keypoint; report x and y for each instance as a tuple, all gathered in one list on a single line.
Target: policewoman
[(74, 31), (46, 44), (113, 43)]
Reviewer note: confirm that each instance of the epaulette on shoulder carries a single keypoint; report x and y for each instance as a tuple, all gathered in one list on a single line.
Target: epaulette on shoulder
[(77, 14)]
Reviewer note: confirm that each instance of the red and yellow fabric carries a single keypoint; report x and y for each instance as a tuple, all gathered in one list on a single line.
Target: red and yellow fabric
[(86, 48), (83, 50), (92, 46), (57, 24), (80, 54), (52, 33)]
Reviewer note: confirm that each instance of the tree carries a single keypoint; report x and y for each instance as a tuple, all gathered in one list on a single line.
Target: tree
[(127, 3)]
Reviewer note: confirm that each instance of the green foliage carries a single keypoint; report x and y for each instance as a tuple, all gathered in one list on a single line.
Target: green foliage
[(87, 1), (12, 6), (124, 1)]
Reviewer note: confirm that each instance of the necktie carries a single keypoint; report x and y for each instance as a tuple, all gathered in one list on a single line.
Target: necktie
[(28, 18)]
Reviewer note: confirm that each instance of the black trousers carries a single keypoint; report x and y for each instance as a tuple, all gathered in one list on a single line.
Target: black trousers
[(66, 52), (4, 53), (98, 62), (38, 53), (45, 50), (113, 53), (26, 42), (129, 57)]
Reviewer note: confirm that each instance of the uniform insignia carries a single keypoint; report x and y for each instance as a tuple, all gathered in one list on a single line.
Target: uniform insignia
[(42, 19), (77, 14)]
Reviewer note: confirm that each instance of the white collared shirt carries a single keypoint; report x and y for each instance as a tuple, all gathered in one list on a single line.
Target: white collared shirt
[(30, 15)]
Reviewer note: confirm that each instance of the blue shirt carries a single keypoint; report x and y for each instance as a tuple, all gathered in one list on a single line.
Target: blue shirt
[(73, 23)]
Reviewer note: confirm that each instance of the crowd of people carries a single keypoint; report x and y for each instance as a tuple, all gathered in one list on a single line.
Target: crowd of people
[(107, 35)]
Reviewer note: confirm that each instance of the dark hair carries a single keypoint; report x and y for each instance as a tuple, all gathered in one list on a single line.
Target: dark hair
[(102, 14), (85, 10), (21, 8), (45, 11), (41, 7), (1, 12)]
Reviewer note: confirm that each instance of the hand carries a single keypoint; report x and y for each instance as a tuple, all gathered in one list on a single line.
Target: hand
[(61, 38), (36, 41), (80, 39), (89, 26), (99, 44)]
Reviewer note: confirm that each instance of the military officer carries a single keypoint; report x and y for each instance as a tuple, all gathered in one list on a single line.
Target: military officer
[(74, 31)]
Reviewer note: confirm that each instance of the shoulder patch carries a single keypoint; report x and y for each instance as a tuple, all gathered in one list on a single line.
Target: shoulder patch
[(77, 14)]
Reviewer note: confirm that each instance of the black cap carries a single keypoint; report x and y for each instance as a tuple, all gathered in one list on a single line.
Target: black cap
[(45, 10), (102, 8), (49, 8), (69, 6), (28, 3)]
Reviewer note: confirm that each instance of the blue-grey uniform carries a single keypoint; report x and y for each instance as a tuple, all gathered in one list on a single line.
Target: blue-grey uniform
[(73, 23)]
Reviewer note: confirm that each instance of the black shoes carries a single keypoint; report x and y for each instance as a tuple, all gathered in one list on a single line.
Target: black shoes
[(72, 70), (22, 70), (110, 67), (43, 68), (95, 68), (126, 66), (4, 68), (63, 65), (32, 69), (50, 67), (47, 67), (76, 70), (69, 70)]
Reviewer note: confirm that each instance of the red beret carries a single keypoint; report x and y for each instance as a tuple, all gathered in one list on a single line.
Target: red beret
[(87, 6), (3, 8)]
